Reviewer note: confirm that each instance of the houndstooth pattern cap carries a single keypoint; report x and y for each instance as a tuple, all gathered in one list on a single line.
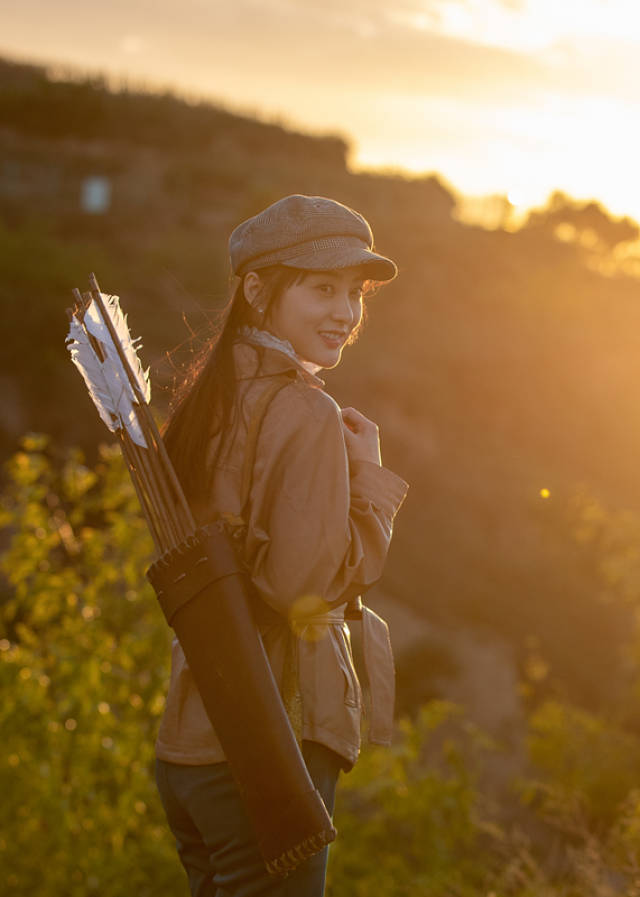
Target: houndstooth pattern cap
[(309, 232)]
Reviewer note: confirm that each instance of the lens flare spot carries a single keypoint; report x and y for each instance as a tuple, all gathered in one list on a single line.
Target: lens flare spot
[(306, 618)]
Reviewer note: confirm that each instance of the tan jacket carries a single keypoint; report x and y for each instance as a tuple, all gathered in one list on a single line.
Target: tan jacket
[(318, 531)]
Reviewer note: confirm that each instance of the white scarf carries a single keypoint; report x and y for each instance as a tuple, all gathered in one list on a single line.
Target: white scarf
[(270, 341)]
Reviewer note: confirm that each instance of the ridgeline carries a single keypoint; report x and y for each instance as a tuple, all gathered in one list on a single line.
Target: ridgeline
[(499, 364)]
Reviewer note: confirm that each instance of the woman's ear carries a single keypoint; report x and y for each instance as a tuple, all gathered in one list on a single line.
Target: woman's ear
[(253, 287)]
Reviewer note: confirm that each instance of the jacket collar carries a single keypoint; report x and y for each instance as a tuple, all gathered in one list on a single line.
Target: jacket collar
[(274, 360)]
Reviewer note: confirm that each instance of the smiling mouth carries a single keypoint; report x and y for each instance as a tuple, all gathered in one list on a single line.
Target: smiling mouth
[(334, 338)]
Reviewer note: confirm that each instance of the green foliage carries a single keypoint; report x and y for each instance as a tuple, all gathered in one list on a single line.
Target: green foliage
[(585, 788), (590, 765), (83, 654), (408, 818), (83, 673)]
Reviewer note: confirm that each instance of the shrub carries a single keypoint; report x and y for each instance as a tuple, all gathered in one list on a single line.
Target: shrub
[(83, 668)]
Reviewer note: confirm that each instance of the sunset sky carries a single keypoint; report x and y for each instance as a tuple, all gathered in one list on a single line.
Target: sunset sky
[(510, 96)]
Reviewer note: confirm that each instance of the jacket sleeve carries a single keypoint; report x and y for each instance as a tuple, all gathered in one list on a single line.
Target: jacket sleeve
[(316, 527)]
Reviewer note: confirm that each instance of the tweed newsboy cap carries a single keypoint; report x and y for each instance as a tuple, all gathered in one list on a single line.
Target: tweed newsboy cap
[(310, 232)]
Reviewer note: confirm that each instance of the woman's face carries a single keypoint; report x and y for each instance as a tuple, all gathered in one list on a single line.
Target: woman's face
[(318, 314)]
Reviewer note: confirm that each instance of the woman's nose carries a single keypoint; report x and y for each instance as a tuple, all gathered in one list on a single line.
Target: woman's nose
[(342, 308)]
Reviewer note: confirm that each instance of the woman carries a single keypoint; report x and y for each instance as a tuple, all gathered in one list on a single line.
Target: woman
[(314, 521)]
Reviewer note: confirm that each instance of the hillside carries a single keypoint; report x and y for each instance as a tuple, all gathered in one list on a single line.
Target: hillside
[(497, 364)]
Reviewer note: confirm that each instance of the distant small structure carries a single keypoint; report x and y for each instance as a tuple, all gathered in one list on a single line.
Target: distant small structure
[(95, 194)]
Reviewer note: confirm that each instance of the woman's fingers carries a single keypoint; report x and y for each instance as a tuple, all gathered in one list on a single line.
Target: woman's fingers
[(356, 421), (349, 418), (361, 436)]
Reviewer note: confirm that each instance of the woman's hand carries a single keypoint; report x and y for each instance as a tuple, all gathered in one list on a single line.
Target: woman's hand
[(361, 436)]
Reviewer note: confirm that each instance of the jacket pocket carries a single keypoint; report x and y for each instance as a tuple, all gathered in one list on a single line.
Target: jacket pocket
[(352, 690)]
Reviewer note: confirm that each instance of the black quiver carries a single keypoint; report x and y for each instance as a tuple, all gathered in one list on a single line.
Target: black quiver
[(207, 598)]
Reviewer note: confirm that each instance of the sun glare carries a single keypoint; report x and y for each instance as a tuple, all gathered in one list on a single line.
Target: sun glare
[(517, 99), (529, 25)]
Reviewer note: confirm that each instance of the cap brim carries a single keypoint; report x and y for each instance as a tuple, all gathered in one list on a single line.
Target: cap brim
[(377, 267)]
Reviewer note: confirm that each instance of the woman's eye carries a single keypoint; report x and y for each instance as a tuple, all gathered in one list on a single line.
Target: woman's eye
[(326, 289)]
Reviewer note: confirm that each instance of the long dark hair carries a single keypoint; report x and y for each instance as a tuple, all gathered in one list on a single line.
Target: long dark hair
[(204, 403)]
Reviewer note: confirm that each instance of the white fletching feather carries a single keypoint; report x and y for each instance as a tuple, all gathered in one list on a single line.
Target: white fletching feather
[(107, 380)]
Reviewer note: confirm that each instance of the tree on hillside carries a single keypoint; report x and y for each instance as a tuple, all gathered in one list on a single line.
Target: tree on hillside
[(576, 220)]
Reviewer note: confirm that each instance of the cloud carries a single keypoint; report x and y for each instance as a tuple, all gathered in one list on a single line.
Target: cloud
[(328, 48), (478, 50), (311, 59)]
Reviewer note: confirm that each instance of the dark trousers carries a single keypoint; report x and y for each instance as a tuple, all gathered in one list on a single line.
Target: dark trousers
[(215, 842)]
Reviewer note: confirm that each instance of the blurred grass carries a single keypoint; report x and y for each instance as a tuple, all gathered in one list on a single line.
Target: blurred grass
[(84, 657)]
